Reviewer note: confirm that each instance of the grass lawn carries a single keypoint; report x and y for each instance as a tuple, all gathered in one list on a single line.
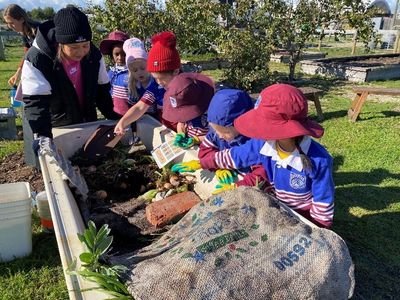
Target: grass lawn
[(367, 178)]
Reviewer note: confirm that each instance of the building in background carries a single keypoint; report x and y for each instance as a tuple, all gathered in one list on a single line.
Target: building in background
[(387, 17)]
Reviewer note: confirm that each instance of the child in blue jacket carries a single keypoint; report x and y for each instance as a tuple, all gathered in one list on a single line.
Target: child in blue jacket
[(225, 106), (298, 167), (118, 74)]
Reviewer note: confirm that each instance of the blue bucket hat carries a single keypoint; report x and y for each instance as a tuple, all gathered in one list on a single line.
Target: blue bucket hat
[(227, 105)]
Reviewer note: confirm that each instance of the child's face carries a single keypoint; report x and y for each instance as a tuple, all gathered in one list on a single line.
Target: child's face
[(14, 24), (225, 133), (76, 51), (164, 78), (138, 70), (118, 55)]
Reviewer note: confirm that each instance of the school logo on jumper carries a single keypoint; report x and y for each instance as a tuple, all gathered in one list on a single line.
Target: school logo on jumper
[(297, 181), (173, 101)]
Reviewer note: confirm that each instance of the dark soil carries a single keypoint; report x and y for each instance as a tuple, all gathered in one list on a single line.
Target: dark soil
[(14, 169), (114, 186), (373, 62)]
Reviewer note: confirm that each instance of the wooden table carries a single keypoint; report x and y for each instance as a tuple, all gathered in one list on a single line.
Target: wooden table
[(312, 94), (362, 95)]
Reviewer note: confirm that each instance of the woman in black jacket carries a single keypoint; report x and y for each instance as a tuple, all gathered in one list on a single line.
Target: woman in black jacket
[(64, 77), (18, 20)]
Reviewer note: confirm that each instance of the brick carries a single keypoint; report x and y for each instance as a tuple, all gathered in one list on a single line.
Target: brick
[(162, 212)]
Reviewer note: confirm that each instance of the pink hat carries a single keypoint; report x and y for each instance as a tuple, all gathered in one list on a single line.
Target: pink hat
[(281, 112), (187, 97), (114, 38), (134, 49)]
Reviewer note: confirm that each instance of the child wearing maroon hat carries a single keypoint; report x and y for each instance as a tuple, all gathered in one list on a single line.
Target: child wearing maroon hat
[(225, 107), (145, 95), (118, 74), (298, 167), (187, 95)]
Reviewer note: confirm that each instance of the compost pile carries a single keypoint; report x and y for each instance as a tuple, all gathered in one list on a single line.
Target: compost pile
[(121, 185)]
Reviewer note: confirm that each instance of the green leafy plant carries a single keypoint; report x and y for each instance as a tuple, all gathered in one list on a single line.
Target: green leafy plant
[(195, 23), (244, 45), (107, 277), (97, 244)]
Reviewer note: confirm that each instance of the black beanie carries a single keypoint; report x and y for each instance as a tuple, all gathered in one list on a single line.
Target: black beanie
[(72, 26)]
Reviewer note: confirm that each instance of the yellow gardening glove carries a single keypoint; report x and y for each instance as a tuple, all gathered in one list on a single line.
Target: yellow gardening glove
[(189, 166), (221, 187), (226, 176)]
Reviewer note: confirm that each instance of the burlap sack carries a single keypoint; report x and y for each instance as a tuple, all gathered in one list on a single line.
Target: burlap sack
[(240, 245)]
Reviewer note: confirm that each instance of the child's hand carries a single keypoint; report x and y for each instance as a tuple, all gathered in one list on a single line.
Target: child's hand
[(120, 128), (189, 166), (181, 140), (181, 127), (226, 176)]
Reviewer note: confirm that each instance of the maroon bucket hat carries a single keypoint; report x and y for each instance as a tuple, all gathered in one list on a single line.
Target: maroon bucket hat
[(280, 113), (115, 37), (187, 97)]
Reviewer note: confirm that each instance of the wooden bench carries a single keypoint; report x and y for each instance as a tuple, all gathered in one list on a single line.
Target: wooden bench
[(312, 94), (362, 95)]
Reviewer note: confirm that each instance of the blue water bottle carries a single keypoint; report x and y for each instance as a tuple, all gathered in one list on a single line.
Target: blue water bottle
[(13, 92)]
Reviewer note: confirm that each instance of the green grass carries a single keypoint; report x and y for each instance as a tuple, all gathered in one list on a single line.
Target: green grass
[(40, 275), (367, 178), (367, 201), (7, 69)]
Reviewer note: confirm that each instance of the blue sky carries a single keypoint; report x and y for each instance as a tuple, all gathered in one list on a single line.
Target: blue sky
[(56, 4)]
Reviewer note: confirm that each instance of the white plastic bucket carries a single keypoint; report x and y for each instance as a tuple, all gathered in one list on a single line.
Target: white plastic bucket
[(15, 221)]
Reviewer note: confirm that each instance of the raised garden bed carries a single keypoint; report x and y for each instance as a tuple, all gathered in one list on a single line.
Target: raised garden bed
[(356, 68), (66, 215), (283, 56), (203, 65)]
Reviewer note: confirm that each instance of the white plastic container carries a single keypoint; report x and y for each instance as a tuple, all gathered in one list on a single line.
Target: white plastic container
[(15, 221)]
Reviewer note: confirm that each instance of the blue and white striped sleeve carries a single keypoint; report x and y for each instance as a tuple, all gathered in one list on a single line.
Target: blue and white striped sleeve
[(242, 156)]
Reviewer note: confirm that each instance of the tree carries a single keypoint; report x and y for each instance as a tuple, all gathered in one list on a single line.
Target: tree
[(40, 14), (245, 44), (359, 16), (295, 27), (195, 23), (140, 18)]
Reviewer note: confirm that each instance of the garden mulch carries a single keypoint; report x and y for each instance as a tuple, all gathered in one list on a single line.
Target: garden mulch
[(14, 169)]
